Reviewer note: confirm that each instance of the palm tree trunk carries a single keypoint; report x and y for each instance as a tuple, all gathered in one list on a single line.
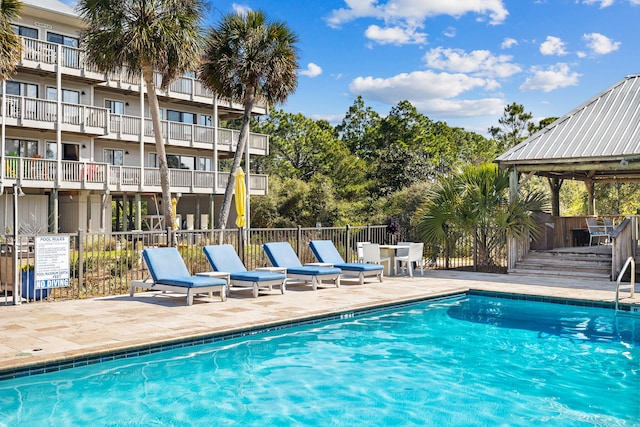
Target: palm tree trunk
[(163, 166), (237, 158)]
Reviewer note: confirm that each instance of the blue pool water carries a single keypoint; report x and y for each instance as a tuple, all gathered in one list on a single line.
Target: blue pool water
[(471, 361)]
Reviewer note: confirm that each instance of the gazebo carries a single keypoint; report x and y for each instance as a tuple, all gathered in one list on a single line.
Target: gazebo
[(597, 142)]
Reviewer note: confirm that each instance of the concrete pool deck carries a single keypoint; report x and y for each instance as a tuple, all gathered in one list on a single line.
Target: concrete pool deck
[(57, 332)]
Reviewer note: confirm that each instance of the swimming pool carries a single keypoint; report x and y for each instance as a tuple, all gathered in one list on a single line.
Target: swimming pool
[(466, 361)]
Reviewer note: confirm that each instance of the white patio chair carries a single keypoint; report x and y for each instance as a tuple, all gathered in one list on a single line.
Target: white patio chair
[(414, 255), (359, 250), (371, 255)]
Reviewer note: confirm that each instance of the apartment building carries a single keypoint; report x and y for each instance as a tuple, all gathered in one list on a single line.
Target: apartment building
[(79, 144)]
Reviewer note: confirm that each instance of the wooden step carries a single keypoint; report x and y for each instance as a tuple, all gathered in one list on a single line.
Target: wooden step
[(562, 273), (565, 265)]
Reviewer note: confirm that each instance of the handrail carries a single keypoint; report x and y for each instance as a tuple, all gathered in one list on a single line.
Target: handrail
[(631, 261)]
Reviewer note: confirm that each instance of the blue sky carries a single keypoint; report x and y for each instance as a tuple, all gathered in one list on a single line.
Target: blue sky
[(457, 61)]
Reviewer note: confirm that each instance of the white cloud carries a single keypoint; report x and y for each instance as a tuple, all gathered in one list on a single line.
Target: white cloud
[(240, 9), (395, 35), (452, 32), (402, 18), (462, 108), (429, 92), (554, 77), (553, 46), (312, 70), (600, 44), (602, 3), (334, 119), (411, 13), (478, 62), (508, 42)]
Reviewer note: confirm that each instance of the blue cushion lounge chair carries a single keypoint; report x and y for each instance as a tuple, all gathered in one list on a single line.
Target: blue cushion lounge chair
[(225, 258), (326, 252), (169, 273), (281, 254)]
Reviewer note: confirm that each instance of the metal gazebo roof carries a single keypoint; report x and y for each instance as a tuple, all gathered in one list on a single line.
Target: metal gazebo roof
[(598, 141)]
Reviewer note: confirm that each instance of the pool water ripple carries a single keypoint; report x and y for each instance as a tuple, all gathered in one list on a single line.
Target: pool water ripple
[(472, 361)]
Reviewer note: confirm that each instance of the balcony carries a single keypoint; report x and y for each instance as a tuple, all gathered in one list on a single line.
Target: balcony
[(46, 56), (127, 128), (43, 173), (43, 114)]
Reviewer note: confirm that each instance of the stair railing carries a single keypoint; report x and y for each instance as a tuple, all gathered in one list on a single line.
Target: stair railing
[(630, 262)]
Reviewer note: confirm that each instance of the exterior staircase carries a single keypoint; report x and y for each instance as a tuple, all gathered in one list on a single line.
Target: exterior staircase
[(577, 264)]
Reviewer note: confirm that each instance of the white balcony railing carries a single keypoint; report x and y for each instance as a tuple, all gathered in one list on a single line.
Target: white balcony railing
[(36, 173), (129, 126), (118, 126), (44, 55), (45, 111)]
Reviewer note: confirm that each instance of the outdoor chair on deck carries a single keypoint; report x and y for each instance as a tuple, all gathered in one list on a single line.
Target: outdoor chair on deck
[(360, 251), (224, 258), (597, 231), (281, 255), (371, 255), (413, 258), (169, 273), (326, 253)]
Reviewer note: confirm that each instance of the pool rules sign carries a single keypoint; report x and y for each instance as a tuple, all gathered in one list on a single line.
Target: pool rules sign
[(51, 262)]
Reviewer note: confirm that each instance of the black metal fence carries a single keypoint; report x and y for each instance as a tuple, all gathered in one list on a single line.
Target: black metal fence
[(103, 265)]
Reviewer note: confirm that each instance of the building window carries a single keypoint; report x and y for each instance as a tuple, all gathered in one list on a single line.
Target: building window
[(31, 33), (70, 151), (114, 157), (181, 117), (20, 147), (174, 161), (29, 90), (62, 39), (205, 164), (115, 107), (68, 96), (51, 151), (205, 120)]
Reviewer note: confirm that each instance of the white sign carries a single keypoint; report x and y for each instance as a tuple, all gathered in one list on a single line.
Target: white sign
[(52, 262)]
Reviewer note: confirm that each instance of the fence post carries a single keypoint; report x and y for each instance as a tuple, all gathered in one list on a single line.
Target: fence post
[(241, 245), (475, 250), (369, 233), (81, 237), (169, 238), (348, 243), (299, 241)]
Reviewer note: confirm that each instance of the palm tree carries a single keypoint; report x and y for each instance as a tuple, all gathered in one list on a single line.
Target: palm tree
[(476, 201), (145, 36), (10, 44), (247, 58)]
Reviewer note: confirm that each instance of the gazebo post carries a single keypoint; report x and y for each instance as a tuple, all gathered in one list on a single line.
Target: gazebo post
[(556, 185), (512, 243), (591, 200)]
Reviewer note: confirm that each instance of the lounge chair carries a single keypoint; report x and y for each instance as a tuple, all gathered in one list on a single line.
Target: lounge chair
[(169, 273), (224, 258), (326, 253), (281, 254)]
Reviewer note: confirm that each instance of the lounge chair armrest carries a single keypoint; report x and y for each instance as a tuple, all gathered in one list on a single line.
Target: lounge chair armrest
[(319, 264), (273, 269), (220, 274)]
